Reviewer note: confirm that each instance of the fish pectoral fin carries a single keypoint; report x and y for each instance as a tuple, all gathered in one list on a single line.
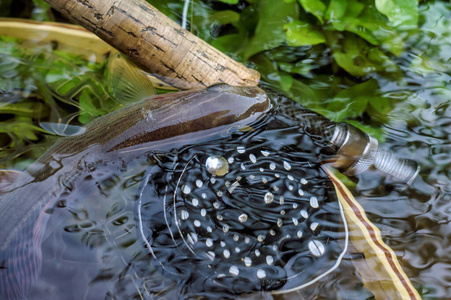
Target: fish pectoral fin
[(7, 178), (62, 129), (127, 83)]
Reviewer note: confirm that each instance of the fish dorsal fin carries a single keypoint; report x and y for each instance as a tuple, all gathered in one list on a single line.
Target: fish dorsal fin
[(128, 83), (62, 129), (7, 178)]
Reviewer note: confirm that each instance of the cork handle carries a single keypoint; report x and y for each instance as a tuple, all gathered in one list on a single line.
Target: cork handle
[(156, 43)]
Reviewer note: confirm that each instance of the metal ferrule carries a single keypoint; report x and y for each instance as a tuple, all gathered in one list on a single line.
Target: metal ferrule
[(358, 151)]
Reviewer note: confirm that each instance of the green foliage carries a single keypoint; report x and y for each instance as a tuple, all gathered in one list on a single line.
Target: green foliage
[(39, 84)]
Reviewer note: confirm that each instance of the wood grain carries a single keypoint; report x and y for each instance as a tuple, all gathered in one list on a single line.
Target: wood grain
[(156, 43)]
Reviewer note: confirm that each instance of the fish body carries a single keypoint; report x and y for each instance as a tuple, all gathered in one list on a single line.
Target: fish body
[(155, 125)]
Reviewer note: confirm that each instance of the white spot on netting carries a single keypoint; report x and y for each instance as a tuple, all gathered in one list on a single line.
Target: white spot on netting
[(234, 271), (204, 195), (304, 181), (287, 166), (243, 167), (184, 214), (237, 250), (216, 204), (304, 214), (247, 261), (299, 234), (261, 273), (252, 158), (230, 160), (290, 177), (301, 192), (226, 253), (272, 166), (219, 217), (264, 179), (316, 247), (295, 221), (290, 187), (314, 226), (262, 170), (282, 200), (257, 252), (209, 229), (203, 212), (192, 237), (211, 255), (209, 242), (242, 218), (236, 237), (186, 189), (261, 238), (269, 197), (197, 223), (199, 183), (247, 240), (279, 222), (282, 212), (219, 193), (240, 149), (314, 202), (195, 202), (272, 232), (269, 259), (222, 243), (264, 152), (295, 205), (225, 228)]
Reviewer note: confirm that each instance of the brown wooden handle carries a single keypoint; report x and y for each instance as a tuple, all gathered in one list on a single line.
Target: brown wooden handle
[(156, 43)]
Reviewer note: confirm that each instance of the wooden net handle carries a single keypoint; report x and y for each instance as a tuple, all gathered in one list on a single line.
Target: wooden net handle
[(156, 43)]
